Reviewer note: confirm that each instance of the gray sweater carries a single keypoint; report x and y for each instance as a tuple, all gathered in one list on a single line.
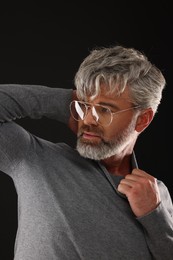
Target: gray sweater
[(68, 207)]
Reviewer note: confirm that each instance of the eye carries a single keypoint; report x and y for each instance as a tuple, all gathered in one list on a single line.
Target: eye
[(104, 110)]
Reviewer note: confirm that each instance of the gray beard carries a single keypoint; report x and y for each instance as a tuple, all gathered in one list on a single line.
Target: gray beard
[(106, 149), (95, 152)]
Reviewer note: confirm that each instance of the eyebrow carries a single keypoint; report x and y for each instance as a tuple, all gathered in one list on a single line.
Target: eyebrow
[(109, 105)]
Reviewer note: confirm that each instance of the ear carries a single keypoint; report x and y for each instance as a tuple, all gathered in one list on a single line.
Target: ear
[(144, 119)]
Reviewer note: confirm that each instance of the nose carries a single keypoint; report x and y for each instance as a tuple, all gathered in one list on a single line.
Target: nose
[(91, 117)]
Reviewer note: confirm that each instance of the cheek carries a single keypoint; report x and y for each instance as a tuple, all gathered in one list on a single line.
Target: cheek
[(80, 124), (118, 127), (111, 133)]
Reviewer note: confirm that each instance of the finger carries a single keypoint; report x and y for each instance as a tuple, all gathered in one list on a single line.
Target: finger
[(123, 188), (133, 177), (140, 173), (128, 182)]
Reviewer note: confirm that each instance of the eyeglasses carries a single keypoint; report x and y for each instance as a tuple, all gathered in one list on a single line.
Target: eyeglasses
[(102, 115)]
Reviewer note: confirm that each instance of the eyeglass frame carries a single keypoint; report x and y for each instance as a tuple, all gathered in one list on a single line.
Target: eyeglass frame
[(89, 105)]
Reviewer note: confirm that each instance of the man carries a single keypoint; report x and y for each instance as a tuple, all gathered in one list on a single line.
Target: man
[(91, 202)]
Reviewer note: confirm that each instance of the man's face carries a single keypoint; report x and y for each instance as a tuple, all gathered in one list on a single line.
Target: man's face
[(99, 142)]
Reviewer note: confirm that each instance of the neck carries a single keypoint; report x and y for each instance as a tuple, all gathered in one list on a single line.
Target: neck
[(118, 165)]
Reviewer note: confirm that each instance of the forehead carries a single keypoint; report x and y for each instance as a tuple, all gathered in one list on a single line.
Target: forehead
[(115, 97)]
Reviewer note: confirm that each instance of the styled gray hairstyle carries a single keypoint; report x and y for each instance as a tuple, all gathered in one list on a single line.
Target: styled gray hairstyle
[(120, 67)]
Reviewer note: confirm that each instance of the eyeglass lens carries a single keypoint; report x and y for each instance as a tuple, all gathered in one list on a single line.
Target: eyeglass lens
[(101, 114)]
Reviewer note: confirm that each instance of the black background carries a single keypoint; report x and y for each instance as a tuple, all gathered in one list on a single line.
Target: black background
[(45, 44)]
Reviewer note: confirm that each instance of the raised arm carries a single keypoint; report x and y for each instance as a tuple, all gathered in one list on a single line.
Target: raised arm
[(34, 101)]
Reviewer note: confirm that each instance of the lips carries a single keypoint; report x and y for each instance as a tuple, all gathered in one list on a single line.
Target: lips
[(90, 135)]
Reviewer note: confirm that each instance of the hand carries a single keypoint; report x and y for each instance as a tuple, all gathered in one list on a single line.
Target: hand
[(141, 190)]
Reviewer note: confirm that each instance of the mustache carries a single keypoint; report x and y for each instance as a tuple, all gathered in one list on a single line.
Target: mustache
[(92, 129)]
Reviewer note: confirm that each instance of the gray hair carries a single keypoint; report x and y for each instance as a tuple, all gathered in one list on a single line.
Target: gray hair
[(119, 67)]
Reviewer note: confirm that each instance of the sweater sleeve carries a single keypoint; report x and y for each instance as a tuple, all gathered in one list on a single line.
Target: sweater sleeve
[(34, 101), (158, 227)]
